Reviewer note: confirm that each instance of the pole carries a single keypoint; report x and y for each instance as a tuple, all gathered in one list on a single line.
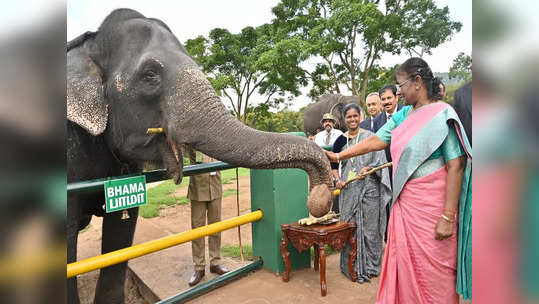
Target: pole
[(125, 254), (201, 289), (238, 207)]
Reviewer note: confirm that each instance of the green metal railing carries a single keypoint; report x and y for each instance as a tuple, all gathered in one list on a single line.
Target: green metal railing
[(212, 284), (151, 176), (328, 148), (128, 253)]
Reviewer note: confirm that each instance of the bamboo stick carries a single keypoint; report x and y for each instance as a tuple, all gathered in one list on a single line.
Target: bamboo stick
[(362, 176)]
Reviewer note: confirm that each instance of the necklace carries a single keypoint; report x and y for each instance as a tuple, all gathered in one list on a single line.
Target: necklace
[(348, 141)]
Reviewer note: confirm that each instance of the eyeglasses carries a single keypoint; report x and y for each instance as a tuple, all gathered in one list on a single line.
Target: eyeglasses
[(399, 86)]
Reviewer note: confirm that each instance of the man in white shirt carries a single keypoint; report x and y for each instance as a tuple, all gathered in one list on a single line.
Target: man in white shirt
[(327, 136)]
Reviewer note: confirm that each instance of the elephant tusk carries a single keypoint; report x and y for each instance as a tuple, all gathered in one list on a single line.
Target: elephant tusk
[(174, 150), (154, 130)]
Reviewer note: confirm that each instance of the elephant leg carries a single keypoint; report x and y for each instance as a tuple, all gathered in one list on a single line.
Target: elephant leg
[(117, 234), (73, 223)]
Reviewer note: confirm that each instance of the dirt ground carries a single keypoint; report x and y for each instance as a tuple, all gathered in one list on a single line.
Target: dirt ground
[(165, 273), (170, 221)]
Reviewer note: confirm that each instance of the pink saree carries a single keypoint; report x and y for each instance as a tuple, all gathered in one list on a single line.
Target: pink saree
[(416, 268)]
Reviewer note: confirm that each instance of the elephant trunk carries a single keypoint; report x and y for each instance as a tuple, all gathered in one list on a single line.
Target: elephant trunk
[(199, 118)]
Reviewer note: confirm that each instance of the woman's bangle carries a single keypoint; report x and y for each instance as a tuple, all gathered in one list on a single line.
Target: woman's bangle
[(338, 156), (447, 219)]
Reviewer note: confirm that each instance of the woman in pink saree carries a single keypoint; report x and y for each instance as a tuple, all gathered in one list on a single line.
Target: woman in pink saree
[(428, 251)]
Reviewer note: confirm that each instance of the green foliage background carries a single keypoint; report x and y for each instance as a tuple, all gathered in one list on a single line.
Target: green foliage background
[(330, 46), (461, 67)]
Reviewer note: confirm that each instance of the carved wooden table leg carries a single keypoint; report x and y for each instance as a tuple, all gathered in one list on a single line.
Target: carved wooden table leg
[(286, 258), (323, 286), (316, 257), (352, 256)]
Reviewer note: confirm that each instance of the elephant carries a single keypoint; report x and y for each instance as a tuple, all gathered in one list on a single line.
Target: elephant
[(326, 103), (133, 74)]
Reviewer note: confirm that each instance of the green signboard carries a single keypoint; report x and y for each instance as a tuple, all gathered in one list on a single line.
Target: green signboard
[(125, 193)]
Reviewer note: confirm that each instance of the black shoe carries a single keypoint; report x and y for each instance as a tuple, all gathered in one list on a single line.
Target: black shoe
[(218, 269), (196, 277)]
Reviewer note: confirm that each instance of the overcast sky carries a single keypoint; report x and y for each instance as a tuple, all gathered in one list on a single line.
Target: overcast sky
[(189, 19)]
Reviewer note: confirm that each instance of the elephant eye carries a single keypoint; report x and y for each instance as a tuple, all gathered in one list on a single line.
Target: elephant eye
[(151, 77)]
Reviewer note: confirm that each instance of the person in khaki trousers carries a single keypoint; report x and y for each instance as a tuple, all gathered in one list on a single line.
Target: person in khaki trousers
[(205, 192)]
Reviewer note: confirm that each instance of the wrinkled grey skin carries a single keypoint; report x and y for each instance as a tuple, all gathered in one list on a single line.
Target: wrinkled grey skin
[(327, 103), (134, 74)]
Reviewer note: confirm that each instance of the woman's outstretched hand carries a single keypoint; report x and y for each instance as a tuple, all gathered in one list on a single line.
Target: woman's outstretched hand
[(331, 156)]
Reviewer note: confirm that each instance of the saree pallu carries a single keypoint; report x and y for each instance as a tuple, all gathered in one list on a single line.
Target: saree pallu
[(364, 203), (417, 268)]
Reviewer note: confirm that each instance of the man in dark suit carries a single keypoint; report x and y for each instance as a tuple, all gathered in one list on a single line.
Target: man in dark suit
[(374, 107), (390, 102), (463, 107)]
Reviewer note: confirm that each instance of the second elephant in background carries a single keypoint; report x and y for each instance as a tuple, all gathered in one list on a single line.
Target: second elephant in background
[(327, 103)]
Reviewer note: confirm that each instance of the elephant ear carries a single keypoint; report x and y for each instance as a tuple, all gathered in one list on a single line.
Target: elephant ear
[(85, 99), (336, 110)]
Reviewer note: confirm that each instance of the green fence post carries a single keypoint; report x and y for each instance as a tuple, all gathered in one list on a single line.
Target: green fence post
[(282, 195)]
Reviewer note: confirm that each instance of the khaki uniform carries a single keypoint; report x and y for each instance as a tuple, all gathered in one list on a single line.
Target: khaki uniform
[(205, 192)]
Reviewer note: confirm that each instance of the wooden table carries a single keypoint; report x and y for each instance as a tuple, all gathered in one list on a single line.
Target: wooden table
[(303, 237)]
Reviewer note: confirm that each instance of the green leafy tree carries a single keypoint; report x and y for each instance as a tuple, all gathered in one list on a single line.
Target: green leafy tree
[(380, 76), (461, 67), (450, 92), (288, 121), (346, 38), (240, 65), (260, 118), (283, 121)]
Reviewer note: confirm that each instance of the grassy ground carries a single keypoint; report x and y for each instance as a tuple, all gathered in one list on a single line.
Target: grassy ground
[(85, 228), (228, 192), (234, 252), (228, 175), (329, 251), (160, 196)]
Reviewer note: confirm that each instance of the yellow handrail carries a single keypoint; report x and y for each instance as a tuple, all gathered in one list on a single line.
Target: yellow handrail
[(135, 251)]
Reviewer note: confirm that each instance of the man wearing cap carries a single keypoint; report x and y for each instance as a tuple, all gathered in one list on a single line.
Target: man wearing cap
[(327, 136)]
